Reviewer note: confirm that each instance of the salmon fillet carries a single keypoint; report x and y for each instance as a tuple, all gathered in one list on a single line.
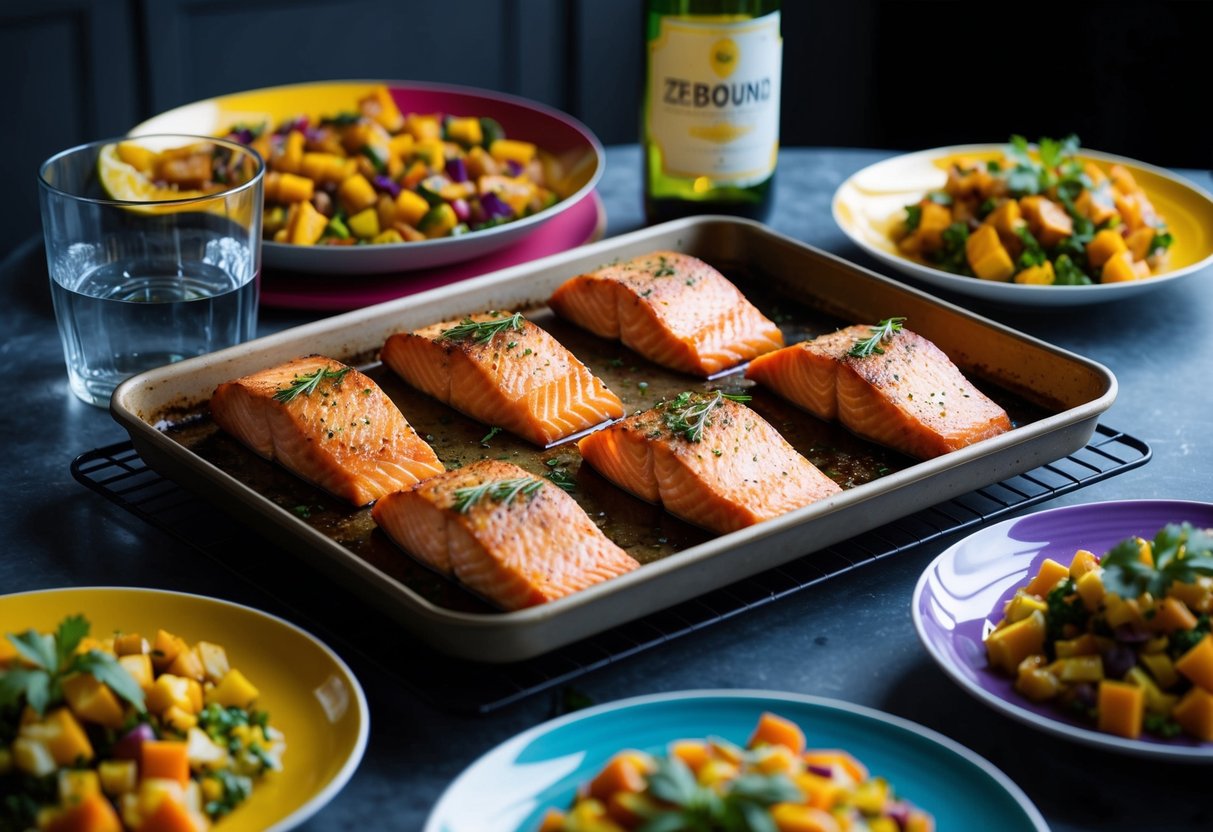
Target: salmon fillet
[(736, 470), (509, 536), (910, 396), (501, 369), (673, 309), (327, 423)]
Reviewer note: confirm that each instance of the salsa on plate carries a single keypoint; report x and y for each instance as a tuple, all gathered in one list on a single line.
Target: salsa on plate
[(1037, 217), (1120, 641), (126, 733), (374, 175)]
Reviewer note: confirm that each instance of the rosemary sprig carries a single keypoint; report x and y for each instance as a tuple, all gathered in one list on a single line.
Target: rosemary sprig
[(882, 332), (501, 491), (481, 331), (308, 383), (688, 414)]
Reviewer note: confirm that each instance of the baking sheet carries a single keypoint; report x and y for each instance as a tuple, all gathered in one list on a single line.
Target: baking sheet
[(1060, 396)]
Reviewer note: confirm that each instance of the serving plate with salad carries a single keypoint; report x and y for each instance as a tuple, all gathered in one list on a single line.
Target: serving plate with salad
[(527, 782), (376, 176), (1045, 224), (156, 709), (1107, 666)]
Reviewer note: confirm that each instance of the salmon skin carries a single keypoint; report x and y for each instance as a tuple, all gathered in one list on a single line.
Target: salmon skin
[(673, 309), (707, 459), (501, 369), (509, 536), (908, 395), (327, 423)]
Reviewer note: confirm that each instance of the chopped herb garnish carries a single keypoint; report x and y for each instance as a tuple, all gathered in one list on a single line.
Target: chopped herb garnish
[(493, 431), (308, 383), (687, 414), (1181, 553), (481, 331), (500, 491), (882, 332)]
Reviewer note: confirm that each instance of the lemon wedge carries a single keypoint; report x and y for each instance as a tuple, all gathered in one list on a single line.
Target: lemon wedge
[(122, 168)]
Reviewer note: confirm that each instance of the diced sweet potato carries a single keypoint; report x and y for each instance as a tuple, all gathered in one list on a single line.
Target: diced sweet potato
[(1050, 574), (1047, 220), (1194, 713), (987, 256), (1197, 663), (775, 730), (1008, 646), (1121, 708)]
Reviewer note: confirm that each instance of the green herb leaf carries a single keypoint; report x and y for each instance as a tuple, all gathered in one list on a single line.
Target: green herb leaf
[(308, 383), (18, 682), (36, 648), (687, 414), (493, 431), (68, 637), (913, 216), (1181, 553), (105, 668), (882, 332), (499, 491), (481, 331)]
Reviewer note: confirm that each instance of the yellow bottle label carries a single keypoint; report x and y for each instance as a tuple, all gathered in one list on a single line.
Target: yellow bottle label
[(713, 97)]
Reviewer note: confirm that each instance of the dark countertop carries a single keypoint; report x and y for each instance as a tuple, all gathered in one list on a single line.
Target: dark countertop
[(849, 638)]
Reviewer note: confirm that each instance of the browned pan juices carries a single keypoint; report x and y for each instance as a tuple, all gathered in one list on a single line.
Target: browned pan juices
[(644, 530)]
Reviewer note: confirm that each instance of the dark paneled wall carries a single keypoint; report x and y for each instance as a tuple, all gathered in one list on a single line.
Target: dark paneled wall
[(1128, 78)]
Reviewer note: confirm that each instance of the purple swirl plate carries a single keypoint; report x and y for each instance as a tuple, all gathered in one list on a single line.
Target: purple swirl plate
[(960, 598)]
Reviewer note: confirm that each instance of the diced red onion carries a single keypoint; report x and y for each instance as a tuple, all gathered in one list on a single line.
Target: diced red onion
[(130, 745), (899, 813), (1132, 632), (461, 208), (456, 169), (243, 135), (494, 207), (1118, 660), (386, 184), (313, 134), (513, 167), (820, 771)]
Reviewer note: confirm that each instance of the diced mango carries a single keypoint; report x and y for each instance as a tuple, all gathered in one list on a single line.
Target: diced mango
[(1042, 275), (1161, 668), (466, 131), (77, 784), (1010, 645), (92, 814), (1050, 574), (136, 155), (821, 792), (692, 753), (1118, 612), (233, 691), (1023, 605), (326, 167), (1090, 589), (438, 221), (623, 772), (139, 665), (1047, 220), (1104, 245), (32, 757), (1096, 205), (792, 817), (411, 207), (164, 759), (365, 223), (1121, 708), (512, 150), (1084, 561), (1157, 702), (776, 730), (118, 776), (1078, 669), (1197, 596), (306, 225), (1083, 645), (1007, 219), (130, 644), (1197, 663), (92, 701), (987, 256), (841, 761), (1036, 681), (423, 127), (165, 648), (1172, 615), (63, 737), (1194, 713), (356, 193), (380, 106), (168, 691)]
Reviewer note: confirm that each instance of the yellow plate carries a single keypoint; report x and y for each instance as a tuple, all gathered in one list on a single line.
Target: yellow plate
[(571, 152), (309, 692), (871, 202)]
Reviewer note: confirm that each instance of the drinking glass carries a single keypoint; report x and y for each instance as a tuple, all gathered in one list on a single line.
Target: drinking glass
[(153, 245)]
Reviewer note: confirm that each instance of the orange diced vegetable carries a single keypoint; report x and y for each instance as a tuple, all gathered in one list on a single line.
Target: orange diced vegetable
[(165, 648), (790, 817), (1048, 576), (693, 753), (169, 816), (166, 759), (1172, 615), (92, 701), (1047, 220), (622, 773), (1121, 708), (837, 758), (1197, 663), (775, 730), (1007, 646), (92, 814), (1104, 245), (1194, 713)]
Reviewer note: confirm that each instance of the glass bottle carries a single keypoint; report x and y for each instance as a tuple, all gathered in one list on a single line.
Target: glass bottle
[(710, 116)]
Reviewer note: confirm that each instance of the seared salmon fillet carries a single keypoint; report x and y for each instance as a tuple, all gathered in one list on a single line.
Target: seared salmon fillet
[(673, 309), (327, 423), (707, 459), (908, 396), (503, 370), (511, 537)]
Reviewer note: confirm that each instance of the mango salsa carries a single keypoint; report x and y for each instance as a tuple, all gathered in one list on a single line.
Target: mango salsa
[(1039, 216), (419, 175), (1120, 641), (128, 733)]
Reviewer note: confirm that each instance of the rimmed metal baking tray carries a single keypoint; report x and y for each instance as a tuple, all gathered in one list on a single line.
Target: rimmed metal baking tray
[(1070, 390)]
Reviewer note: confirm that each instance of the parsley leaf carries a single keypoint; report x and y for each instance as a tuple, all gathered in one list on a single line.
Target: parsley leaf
[(1181, 553)]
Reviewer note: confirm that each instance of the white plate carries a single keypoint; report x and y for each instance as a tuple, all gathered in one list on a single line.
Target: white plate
[(961, 594), (869, 203), (511, 787)]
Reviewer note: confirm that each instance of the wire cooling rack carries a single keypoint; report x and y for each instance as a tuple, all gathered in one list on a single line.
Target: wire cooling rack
[(337, 616)]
